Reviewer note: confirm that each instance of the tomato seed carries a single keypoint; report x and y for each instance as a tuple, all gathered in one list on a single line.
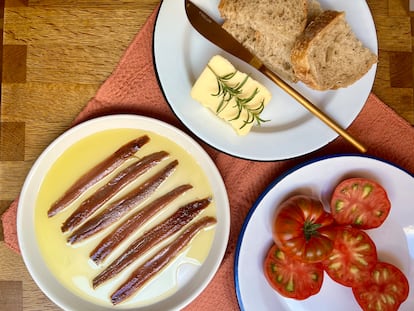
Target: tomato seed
[(367, 189)]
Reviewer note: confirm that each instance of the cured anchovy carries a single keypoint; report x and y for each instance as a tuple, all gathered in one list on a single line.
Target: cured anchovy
[(96, 174), (119, 208), (113, 239), (107, 191), (152, 237), (160, 260)]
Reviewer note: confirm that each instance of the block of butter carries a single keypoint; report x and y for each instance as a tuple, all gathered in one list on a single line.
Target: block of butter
[(231, 95)]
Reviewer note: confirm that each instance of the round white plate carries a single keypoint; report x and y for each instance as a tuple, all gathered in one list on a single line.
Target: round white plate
[(394, 239), (33, 259), (181, 53)]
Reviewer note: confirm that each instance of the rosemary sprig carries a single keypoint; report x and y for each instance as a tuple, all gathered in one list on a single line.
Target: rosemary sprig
[(227, 92)]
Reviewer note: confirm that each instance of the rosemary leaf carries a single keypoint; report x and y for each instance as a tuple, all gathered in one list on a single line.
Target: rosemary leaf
[(227, 92)]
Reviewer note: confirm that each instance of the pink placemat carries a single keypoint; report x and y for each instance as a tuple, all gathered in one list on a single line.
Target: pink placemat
[(133, 88)]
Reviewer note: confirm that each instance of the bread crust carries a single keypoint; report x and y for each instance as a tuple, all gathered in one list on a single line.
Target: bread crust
[(299, 41), (300, 55), (222, 7)]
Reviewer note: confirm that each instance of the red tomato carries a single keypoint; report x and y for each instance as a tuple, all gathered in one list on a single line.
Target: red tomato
[(303, 229), (353, 256), (292, 278), (360, 202), (385, 289)]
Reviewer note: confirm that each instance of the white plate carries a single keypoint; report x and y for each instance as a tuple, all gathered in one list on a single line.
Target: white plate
[(190, 286), (318, 178), (181, 53)]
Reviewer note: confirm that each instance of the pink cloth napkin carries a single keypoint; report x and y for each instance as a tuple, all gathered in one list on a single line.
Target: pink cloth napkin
[(133, 88)]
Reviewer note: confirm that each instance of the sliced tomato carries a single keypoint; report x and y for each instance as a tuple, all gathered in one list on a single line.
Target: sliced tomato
[(360, 202), (303, 229), (385, 289), (292, 278), (353, 255)]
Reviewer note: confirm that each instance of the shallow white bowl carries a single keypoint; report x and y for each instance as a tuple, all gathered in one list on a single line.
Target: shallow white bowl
[(32, 256)]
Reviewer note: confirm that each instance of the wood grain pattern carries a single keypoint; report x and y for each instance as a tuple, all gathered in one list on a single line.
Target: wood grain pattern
[(56, 54), (394, 80), (11, 295)]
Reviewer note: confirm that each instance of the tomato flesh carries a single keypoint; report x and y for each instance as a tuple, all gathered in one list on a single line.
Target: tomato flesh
[(354, 254), (360, 202), (385, 289), (292, 278), (303, 229)]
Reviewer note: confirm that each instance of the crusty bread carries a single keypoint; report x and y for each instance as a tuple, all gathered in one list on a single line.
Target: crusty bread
[(328, 55), (268, 28), (284, 16), (273, 49)]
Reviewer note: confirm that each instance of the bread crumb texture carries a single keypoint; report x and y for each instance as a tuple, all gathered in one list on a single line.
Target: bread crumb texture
[(298, 40), (328, 55), (268, 28)]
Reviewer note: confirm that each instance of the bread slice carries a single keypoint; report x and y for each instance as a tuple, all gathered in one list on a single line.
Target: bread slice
[(328, 55), (267, 16), (272, 49), (268, 28)]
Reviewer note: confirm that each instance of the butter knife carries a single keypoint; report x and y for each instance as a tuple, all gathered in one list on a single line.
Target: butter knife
[(213, 32)]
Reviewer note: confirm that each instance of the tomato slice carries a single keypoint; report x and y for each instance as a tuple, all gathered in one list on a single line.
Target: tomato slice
[(292, 278), (385, 289), (360, 202), (303, 229), (353, 255)]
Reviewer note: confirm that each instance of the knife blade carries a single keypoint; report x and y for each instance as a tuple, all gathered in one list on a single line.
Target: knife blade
[(213, 32)]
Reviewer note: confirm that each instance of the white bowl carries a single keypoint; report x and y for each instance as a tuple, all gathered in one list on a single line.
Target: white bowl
[(188, 287)]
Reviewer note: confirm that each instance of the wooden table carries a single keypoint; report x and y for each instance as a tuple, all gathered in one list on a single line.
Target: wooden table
[(56, 54)]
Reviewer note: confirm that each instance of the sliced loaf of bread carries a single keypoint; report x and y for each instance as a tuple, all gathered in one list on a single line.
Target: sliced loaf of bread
[(268, 28), (287, 17), (328, 55)]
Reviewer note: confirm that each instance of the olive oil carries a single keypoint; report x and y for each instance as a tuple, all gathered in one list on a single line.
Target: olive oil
[(70, 264)]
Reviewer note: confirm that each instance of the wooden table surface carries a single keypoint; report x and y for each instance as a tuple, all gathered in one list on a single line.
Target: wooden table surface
[(55, 55)]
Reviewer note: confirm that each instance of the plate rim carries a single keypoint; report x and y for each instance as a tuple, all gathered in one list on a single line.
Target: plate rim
[(276, 181), (90, 127)]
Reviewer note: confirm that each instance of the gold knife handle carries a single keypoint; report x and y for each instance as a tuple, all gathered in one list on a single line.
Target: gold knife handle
[(311, 107)]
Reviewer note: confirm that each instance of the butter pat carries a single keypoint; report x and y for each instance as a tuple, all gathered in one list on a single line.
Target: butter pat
[(231, 95)]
